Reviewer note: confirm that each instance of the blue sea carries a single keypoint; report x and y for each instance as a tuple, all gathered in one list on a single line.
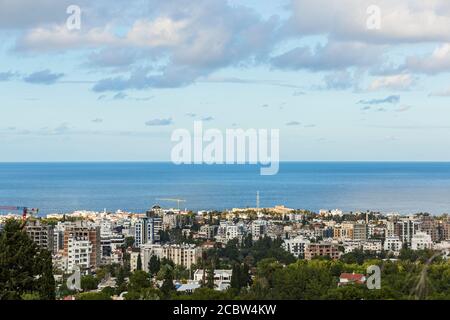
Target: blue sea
[(404, 187)]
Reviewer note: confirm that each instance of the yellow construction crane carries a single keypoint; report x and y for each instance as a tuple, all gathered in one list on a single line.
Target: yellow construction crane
[(174, 200)]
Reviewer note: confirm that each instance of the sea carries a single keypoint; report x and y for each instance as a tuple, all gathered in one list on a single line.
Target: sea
[(401, 187)]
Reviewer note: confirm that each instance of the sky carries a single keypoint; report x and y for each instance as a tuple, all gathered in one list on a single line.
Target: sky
[(340, 81)]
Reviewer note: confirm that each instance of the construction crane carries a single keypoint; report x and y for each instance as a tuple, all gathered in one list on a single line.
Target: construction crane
[(174, 200), (25, 210)]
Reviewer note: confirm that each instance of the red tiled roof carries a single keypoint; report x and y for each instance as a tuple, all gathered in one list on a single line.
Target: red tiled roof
[(352, 276)]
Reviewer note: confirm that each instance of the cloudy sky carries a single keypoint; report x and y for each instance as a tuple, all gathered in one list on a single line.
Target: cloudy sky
[(116, 88)]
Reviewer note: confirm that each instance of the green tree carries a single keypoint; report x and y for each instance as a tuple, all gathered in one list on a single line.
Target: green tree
[(93, 296), (46, 281), (210, 277), (167, 288), (89, 283), (139, 280), (154, 265), (24, 268), (139, 262)]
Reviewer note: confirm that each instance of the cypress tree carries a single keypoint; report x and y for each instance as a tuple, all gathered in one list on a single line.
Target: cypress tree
[(154, 265), (139, 262)]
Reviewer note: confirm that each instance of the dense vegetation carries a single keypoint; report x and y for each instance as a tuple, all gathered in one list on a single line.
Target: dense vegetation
[(261, 270), (278, 275), (25, 270)]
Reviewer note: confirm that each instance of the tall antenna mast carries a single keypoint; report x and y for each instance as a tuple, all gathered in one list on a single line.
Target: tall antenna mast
[(257, 201)]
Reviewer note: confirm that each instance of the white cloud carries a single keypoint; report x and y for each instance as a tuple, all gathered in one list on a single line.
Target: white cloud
[(332, 56), (437, 62), (401, 20), (394, 82)]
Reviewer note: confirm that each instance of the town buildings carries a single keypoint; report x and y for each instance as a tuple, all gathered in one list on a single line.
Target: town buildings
[(322, 249)]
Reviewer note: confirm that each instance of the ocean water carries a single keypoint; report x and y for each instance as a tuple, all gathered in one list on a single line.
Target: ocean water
[(403, 187)]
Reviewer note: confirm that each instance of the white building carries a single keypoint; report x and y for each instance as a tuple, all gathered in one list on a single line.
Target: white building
[(296, 246), (444, 247), (420, 241), (181, 254), (372, 245), (393, 244), (79, 251), (222, 277), (258, 229), (146, 230), (228, 230), (351, 245)]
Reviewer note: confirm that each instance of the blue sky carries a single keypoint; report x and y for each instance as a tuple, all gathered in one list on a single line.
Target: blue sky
[(116, 88)]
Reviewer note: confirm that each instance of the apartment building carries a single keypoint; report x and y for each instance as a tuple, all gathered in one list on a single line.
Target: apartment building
[(404, 228), (207, 231), (360, 232), (181, 254), (393, 244), (79, 253), (258, 229), (322, 249), (222, 277), (228, 230), (372, 245), (41, 234), (421, 241), (430, 226), (86, 232), (296, 246), (147, 230), (343, 231)]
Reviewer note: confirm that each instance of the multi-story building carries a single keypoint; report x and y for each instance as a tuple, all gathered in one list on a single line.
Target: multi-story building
[(79, 253), (41, 234), (421, 241), (431, 227), (58, 237), (372, 245), (87, 232), (147, 230), (343, 231), (296, 246), (181, 254), (222, 277), (406, 228), (170, 220), (444, 230), (207, 231), (393, 244), (322, 249), (111, 243), (134, 257), (360, 231), (228, 230), (258, 229), (351, 245)]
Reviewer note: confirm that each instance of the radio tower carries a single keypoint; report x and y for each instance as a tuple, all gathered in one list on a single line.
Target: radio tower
[(257, 202)]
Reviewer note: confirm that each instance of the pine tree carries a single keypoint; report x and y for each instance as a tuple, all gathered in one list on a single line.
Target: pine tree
[(24, 269)]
